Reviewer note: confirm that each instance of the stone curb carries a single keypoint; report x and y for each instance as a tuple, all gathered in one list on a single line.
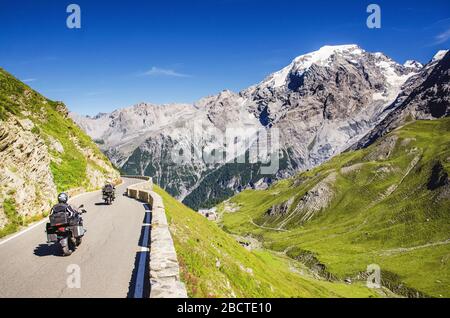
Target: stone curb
[(164, 267)]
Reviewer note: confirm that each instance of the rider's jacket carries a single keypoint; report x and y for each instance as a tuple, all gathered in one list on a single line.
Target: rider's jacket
[(108, 188), (64, 207)]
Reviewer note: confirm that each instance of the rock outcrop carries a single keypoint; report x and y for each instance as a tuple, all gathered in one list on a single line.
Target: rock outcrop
[(42, 152), (280, 209), (424, 96), (25, 174), (315, 200)]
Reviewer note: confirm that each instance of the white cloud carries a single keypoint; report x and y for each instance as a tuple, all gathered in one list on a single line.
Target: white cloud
[(29, 80), (443, 37), (157, 71)]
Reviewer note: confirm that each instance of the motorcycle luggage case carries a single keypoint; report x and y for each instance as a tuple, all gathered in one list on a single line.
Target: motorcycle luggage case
[(77, 231), (58, 218), (51, 233), (50, 229), (51, 238)]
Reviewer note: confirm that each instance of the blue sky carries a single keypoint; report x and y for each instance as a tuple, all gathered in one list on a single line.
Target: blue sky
[(179, 51)]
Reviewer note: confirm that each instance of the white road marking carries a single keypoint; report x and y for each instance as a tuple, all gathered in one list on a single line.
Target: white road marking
[(29, 228), (23, 231)]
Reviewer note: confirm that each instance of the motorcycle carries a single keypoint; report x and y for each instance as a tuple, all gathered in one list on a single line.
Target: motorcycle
[(108, 197), (67, 232)]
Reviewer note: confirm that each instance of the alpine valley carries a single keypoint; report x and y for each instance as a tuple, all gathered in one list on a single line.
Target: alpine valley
[(324, 103)]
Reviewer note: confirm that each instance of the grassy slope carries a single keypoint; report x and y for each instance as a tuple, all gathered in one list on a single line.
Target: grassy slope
[(363, 224), (201, 244), (69, 167), (18, 99)]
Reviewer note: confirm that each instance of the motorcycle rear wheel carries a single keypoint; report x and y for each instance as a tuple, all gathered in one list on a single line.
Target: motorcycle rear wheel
[(70, 247), (66, 251)]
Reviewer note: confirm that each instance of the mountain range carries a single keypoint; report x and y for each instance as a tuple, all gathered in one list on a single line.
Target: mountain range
[(320, 105), (363, 174)]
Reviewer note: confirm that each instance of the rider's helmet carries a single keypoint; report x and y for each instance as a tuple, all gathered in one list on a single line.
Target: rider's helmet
[(63, 198)]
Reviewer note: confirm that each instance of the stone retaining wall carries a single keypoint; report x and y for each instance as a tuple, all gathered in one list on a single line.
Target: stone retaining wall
[(138, 177), (164, 268)]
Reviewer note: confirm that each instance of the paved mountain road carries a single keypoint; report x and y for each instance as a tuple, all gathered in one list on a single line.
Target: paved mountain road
[(108, 257)]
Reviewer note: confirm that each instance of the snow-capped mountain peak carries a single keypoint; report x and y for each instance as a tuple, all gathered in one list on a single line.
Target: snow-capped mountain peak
[(412, 64), (324, 53), (303, 62), (439, 55)]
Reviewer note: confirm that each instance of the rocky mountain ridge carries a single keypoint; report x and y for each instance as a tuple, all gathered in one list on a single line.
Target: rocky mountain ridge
[(424, 96), (319, 105)]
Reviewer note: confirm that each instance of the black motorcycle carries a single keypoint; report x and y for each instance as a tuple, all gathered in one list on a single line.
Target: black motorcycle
[(108, 197), (65, 231)]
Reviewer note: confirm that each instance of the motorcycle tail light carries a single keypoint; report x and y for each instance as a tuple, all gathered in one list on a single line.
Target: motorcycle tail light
[(61, 229)]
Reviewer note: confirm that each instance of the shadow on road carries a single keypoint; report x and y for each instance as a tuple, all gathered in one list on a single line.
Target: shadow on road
[(134, 276), (139, 286), (47, 250), (101, 203)]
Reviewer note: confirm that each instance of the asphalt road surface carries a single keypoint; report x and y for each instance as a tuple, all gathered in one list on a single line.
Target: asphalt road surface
[(108, 263)]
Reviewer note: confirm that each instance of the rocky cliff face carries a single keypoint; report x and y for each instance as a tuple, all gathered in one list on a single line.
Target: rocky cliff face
[(42, 152), (424, 96), (24, 171), (320, 104), (327, 99), (121, 132)]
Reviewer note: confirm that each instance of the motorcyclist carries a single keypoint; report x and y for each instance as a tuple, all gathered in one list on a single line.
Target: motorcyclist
[(63, 206), (109, 188), (66, 225)]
